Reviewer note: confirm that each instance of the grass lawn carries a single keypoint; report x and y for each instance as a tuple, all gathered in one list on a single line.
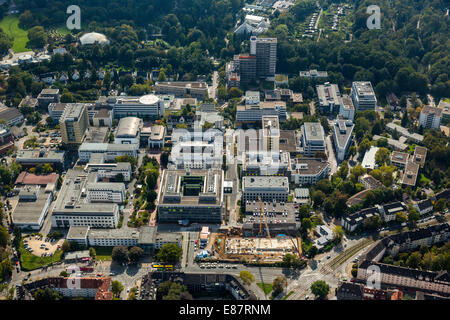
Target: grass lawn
[(63, 30), (10, 25), (29, 261), (424, 180), (103, 253), (266, 287), (287, 296)]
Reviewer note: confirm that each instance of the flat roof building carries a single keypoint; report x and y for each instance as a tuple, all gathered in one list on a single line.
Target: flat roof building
[(308, 171), (109, 150), (363, 96), (410, 174), (193, 195), (312, 138), (369, 158), (32, 207), (182, 89), (420, 155), (269, 188), (73, 123), (342, 137), (430, 117), (399, 159), (128, 131), (12, 116), (32, 158), (414, 137), (329, 97), (147, 107)]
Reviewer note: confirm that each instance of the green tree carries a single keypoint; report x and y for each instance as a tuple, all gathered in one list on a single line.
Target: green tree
[(414, 260), (92, 252), (382, 156), (135, 253), (247, 277), (116, 288), (169, 253), (47, 294), (279, 284), (120, 254), (401, 217), (440, 205), (65, 246), (37, 37), (4, 237), (338, 233), (320, 289)]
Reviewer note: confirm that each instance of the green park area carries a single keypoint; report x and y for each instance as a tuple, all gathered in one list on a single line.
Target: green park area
[(10, 25), (266, 287), (103, 253), (29, 261)]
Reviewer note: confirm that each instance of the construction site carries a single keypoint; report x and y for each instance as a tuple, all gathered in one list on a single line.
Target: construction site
[(233, 246)]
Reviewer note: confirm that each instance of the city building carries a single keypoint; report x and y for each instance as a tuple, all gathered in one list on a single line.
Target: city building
[(325, 235), (110, 151), (251, 114), (346, 108), (413, 137), (308, 171), (47, 96), (342, 137), (113, 237), (12, 116), (98, 288), (73, 206), (78, 235), (265, 50), (280, 218), (268, 188), (252, 97), (389, 211), (103, 118), (420, 155), (6, 139), (369, 182), (395, 144), (26, 178), (197, 149), (32, 207), (191, 196), (182, 89), (445, 106), (146, 107), (128, 131), (399, 159), (430, 117), (329, 97), (55, 110), (106, 192), (163, 238), (32, 158), (353, 221), (157, 136), (73, 124), (410, 174), (369, 158), (363, 96), (312, 139), (252, 25), (109, 171), (266, 164), (314, 74)]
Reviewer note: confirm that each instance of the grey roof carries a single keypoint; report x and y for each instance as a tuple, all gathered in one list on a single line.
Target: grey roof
[(105, 147), (39, 155), (313, 131), (147, 235), (113, 186), (301, 192), (113, 234), (168, 237), (29, 212), (77, 232), (343, 131), (9, 114), (128, 127), (265, 182)]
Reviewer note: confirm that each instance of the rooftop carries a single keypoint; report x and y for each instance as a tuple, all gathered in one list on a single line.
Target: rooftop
[(128, 127), (32, 179), (369, 158), (313, 131), (343, 132), (410, 173), (77, 232)]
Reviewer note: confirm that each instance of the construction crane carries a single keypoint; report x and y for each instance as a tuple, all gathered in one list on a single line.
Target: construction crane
[(263, 217)]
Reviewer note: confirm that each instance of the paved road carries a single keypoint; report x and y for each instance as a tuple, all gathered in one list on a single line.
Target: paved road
[(331, 156)]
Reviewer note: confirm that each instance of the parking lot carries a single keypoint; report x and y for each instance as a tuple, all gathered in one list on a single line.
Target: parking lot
[(41, 247)]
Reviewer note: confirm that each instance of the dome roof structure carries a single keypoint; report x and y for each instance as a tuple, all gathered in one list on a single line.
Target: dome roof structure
[(93, 37)]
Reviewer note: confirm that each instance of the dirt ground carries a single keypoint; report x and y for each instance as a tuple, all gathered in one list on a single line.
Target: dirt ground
[(35, 245)]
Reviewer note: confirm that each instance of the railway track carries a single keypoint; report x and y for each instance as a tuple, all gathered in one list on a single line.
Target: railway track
[(344, 256)]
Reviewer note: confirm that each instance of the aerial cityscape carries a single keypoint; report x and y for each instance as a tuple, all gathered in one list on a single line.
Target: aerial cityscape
[(224, 150)]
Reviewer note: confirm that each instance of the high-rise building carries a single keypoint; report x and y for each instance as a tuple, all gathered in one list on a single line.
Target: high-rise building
[(73, 123), (265, 50), (363, 96), (430, 117)]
